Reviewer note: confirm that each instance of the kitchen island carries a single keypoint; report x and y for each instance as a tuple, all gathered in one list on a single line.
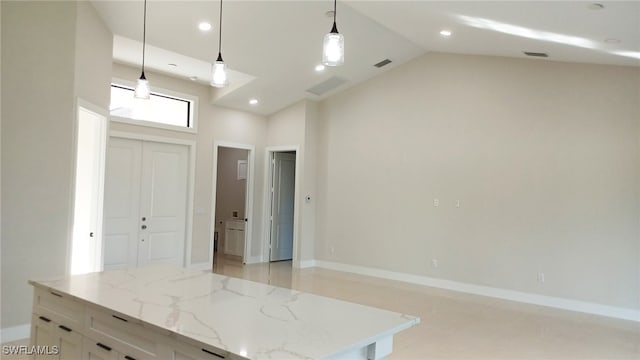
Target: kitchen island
[(174, 313)]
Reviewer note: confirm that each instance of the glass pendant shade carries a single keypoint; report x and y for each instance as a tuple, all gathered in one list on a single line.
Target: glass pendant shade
[(142, 89), (333, 49), (219, 78)]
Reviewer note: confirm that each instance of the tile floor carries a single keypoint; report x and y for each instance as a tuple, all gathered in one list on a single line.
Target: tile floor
[(456, 325)]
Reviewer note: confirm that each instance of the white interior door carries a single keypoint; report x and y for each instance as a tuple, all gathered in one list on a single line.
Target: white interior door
[(145, 203), (163, 204), (122, 203), (282, 205), (89, 190)]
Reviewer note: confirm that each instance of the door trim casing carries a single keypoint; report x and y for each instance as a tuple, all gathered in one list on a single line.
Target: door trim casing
[(248, 207), (89, 106), (191, 145), (268, 153)]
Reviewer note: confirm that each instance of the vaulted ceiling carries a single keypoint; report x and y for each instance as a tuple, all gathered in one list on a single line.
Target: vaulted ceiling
[(273, 47)]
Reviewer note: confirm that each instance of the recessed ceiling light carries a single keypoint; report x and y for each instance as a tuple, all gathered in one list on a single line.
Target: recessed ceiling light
[(319, 67), (596, 6), (612, 41), (253, 102), (193, 78), (445, 33), (173, 65), (204, 26)]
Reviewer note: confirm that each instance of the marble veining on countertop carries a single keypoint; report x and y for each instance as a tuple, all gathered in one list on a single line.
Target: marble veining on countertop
[(249, 319)]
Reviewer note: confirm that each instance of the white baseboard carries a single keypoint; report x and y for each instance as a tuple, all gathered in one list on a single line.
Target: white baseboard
[(200, 266), (554, 302), (307, 264), (253, 260), (15, 333)]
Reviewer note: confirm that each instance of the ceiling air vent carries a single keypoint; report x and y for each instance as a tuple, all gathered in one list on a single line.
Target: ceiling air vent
[(536, 54), (382, 63), (327, 85)]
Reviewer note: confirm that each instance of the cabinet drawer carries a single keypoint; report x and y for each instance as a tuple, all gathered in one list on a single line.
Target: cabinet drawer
[(59, 308), (122, 334), (180, 350), (95, 350)]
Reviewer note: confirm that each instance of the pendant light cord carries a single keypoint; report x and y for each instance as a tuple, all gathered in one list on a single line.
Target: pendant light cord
[(220, 35), (334, 29), (335, 7), (144, 34)]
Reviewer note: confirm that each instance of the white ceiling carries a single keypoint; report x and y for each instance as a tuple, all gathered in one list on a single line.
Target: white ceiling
[(273, 46)]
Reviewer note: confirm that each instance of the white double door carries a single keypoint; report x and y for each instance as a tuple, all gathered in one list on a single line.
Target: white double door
[(145, 203)]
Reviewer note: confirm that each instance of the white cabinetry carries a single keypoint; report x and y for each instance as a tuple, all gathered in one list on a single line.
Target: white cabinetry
[(56, 327), (234, 237), (66, 328)]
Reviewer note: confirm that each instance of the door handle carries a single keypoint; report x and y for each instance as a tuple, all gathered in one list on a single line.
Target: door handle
[(143, 227)]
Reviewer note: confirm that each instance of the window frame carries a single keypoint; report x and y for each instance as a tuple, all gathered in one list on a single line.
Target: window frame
[(193, 110)]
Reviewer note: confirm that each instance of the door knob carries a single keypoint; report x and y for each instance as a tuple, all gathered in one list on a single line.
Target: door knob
[(144, 218), (90, 234), (144, 227)]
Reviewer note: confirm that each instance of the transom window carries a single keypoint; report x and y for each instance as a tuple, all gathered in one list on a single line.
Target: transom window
[(165, 110)]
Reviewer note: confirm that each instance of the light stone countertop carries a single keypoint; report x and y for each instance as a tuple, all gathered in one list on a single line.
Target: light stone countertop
[(246, 318)]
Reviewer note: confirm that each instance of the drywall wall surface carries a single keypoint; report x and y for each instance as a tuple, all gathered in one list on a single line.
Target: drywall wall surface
[(214, 124), (286, 127), (0, 158), (94, 50), (38, 50), (309, 192), (294, 126), (542, 158)]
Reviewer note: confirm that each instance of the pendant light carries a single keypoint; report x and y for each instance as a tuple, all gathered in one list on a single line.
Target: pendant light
[(219, 76), (333, 45), (142, 88)]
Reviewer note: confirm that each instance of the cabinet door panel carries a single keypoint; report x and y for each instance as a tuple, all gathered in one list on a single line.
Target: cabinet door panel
[(70, 343), (43, 336)]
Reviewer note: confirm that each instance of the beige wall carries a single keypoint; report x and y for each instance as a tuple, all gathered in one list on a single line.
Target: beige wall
[(543, 157), (309, 173), (214, 123), (1, 268), (91, 85), (294, 127), (41, 59), (230, 191)]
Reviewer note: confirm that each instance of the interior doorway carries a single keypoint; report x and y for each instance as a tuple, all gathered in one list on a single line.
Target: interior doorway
[(147, 192), (282, 209), (283, 180), (232, 202), (91, 139)]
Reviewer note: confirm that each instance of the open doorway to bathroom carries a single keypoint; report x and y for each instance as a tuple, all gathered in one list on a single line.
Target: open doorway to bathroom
[(232, 203)]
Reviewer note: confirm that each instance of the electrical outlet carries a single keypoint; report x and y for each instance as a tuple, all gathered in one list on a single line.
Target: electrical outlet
[(541, 277), (332, 250), (457, 203), (436, 202), (434, 263)]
